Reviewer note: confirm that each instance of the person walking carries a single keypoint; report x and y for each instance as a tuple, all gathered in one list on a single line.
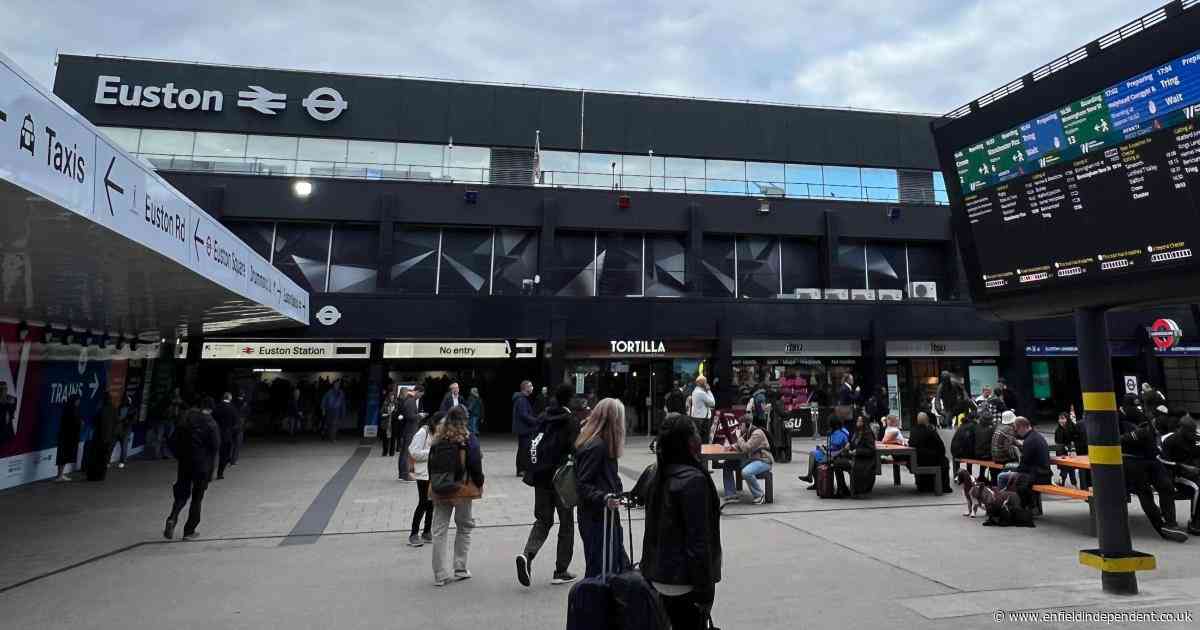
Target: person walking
[(175, 411), (97, 453), (453, 398), (681, 548), (700, 407), (123, 427), (474, 411), (197, 442), (333, 406), (453, 430), (68, 437), (524, 424), (418, 449), (413, 417), (558, 428), (226, 417), (240, 410), (600, 444), (387, 413)]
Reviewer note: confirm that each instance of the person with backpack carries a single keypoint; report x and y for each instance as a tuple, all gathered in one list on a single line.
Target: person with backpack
[(750, 439), (548, 449), (418, 450), (600, 444), (197, 443), (455, 481), (962, 445), (681, 548)]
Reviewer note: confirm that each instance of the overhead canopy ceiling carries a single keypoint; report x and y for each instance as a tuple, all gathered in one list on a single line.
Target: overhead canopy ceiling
[(94, 239)]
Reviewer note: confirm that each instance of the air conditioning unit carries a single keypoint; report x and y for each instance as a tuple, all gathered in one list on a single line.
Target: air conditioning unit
[(923, 291), (894, 295), (862, 294), (808, 294), (837, 294), (786, 296)]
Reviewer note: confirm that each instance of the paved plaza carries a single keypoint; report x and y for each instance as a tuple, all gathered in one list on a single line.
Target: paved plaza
[(311, 535)]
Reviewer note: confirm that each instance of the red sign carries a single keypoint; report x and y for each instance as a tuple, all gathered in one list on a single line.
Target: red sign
[(1165, 333)]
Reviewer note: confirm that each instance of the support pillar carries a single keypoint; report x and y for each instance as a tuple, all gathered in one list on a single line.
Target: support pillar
[(1116, 559)]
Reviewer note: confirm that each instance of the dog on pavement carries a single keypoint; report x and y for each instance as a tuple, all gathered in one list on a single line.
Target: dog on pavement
[(977, 493)]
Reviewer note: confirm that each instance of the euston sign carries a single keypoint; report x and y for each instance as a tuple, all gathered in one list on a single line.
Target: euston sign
[(323, 103), (284, 350)]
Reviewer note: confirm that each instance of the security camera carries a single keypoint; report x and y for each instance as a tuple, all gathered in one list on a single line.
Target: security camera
[(764, 206)]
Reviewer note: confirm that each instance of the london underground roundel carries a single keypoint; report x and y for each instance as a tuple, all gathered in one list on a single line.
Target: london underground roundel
[(1165, 333)]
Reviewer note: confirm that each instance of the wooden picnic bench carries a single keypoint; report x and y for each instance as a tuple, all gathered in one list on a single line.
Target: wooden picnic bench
[(982, 463), (882, 450), (721, 453)]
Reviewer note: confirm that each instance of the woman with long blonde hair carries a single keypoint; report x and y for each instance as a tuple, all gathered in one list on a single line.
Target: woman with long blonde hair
[(600, 444)]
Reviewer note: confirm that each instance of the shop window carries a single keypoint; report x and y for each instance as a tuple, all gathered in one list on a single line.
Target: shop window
[(257, 234), (516, 260), (850, 270), (126, 138), (466, 261), (573, 272), (804, 180), (354, 259), (799, 381), (164, 142), (414, 263), (758, 266), (718, 274), (302, 252), (801, 263), (886, 266), (619, 264), (666, 266)]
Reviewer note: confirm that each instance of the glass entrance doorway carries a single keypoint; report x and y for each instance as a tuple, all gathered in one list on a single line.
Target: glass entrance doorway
[(641, 384)]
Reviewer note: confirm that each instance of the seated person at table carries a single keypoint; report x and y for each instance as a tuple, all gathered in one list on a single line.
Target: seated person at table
[(751, 440), (839, 437), (983, 438), (892, 434), (1004, 441), (1034, 467), (1067, 437), (859, 460), (962, 445), (1182, 450), (931, 451), (1145, 475)]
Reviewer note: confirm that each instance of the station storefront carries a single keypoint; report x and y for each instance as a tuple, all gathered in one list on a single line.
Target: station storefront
[(914, 368)]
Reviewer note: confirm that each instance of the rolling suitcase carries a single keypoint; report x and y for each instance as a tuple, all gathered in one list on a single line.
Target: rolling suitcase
[(636, 605), (590, 602)]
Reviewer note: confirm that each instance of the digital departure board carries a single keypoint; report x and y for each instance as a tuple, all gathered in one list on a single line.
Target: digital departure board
[(1094, 191)]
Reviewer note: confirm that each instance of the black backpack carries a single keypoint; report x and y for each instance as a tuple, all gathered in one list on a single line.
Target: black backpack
[(447, 467), (962, 445), (544, 452)]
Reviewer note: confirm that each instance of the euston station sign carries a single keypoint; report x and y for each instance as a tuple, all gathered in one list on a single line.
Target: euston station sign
[(322, 103), (284, 350)]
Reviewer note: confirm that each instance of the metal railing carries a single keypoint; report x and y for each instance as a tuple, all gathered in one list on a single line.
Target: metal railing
[(544, 178)]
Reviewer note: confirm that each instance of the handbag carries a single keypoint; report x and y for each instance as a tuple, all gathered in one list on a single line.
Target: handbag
[(565, 484), (468, 491)]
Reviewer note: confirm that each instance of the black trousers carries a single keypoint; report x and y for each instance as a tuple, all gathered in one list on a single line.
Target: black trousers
[(545, 504), (424, 509), (388, 442), (690, 611), (1143, 477), (189, 489), (226, 453)]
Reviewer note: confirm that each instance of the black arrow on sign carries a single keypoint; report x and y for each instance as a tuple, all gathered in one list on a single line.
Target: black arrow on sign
[(3, 116), (196, 237), (110, 185)]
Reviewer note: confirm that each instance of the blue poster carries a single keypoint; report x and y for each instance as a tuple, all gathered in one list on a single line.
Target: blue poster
[(60, 379)]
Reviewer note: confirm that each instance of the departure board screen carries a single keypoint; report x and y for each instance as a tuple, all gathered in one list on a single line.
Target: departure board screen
[(1102, 186)]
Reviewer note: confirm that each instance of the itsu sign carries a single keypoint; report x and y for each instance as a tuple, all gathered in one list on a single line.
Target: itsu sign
[(1165, 334)]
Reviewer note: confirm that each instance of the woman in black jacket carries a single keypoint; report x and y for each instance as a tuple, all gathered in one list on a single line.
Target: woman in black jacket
[(681, 553), (600, 444), (931, 450)]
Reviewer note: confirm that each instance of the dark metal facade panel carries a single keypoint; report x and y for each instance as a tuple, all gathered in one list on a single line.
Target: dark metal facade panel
[(413, 110)]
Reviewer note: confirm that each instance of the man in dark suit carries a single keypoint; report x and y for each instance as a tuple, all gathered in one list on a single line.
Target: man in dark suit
[(411, 411), (452, 399), (197, 441), (225, 415)]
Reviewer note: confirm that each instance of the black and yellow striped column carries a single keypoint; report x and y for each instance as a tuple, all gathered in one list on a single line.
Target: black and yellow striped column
[(1116, 559)]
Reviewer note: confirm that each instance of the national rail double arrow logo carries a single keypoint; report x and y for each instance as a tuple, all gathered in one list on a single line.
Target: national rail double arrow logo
[(110, 185)]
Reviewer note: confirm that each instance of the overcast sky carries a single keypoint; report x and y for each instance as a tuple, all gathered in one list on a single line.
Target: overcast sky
[(904, 55)]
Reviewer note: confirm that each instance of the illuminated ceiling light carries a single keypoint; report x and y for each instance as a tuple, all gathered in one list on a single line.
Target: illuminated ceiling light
[(302, 188)]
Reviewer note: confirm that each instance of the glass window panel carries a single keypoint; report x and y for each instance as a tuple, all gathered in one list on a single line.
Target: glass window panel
[(163, 142), (758, 266), (413, 266), (468, 164), (322, 150), (560, 168), (264, 166), (256, 234), (801, 262), (619, 261), (274, 147), (767, 179), (419, 161), (841, 182), (635, 172), (886, 268), (596, 169), (573, 270), (850, 272), (725, 177), (316, 169), (125, 137), (369, 152), (941, 196), (939, 182), (666, 265), (302, 252), (717, 277), (354, 266), (939, 189), (880, 184), (227, 145), (466, 261), (803, 180), (516, 260), (928, 263), (685, 174)]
